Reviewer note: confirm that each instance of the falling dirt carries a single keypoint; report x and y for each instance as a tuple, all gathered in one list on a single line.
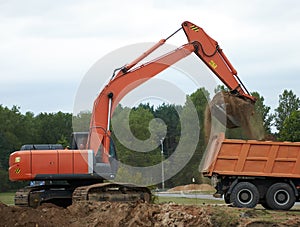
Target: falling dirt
[(233, 111)]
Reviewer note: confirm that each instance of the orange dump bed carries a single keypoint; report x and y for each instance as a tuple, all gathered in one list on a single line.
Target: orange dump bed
[(252, 158)]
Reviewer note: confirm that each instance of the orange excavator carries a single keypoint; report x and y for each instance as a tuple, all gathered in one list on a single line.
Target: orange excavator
[(80, 173)]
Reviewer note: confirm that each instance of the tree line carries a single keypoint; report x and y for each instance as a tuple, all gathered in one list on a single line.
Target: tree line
[(17, 128)]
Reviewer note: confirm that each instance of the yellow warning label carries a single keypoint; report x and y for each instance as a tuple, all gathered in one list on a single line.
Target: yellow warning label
[(18, 170), (194, 28), (213, 64)]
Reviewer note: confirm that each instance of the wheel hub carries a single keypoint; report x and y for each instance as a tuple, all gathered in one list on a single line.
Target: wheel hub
[(281, 197), (245, 196)]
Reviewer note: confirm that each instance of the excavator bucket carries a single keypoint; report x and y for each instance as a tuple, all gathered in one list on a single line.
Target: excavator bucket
[(234, 111), (231, 110), (219, 112)]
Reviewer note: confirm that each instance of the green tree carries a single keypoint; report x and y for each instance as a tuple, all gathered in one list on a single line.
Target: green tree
[(290, 130), (17, 129), (51, 127), (13, 132), (124, 175), (199, 100), (146, 106), (63, 141), (127, 135), (263, 111), (81, 122), (288, 102), (220, 88), (169, 114)]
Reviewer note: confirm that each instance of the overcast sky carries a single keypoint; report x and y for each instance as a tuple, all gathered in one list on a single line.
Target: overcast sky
[(46, 47)]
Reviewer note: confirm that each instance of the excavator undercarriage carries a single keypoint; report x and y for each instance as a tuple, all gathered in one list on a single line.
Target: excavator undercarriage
[(64, 195)]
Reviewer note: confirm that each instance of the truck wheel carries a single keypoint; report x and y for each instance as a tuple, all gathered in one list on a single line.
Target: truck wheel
[(244, 195), (280, 196), (265, 205), (227, 198)]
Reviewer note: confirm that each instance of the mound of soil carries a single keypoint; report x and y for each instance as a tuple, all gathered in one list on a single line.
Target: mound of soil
[(192, 187), (105, 214), (142, 214)]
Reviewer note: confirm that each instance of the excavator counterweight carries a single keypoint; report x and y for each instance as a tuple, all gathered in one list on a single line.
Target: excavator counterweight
[(93, 158)]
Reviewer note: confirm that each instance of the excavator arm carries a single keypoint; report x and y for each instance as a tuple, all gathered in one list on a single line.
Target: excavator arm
[(81, 168), (128, 78), (208, 50)]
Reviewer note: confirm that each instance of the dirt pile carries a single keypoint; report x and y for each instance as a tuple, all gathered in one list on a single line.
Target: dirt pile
[(105, 214), (143, 214), (233, 111), (192, 187)]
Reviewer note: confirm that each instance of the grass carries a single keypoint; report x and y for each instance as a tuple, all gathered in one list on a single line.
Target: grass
[(222, 215), (187, 201), (7, 197)]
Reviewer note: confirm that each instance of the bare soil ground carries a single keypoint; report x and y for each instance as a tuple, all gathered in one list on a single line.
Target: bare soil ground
[(143, 214), (105, 214)]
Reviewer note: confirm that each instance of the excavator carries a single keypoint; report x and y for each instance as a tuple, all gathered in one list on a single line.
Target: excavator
[(84, 172)]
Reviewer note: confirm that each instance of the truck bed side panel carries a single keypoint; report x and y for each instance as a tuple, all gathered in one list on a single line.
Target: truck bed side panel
[(253, 158)]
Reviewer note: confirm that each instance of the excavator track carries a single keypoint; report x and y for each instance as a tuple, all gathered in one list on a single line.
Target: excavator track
[(63, 195), (114, 192), (34, 196), (22, 197)]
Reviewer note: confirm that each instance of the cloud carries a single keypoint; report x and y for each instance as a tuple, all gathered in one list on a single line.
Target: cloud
[(56, 43)]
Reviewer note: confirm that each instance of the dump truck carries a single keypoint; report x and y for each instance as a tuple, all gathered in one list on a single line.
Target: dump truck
[(250, 172)]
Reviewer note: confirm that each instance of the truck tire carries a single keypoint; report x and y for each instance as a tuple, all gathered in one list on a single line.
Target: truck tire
[(280, 196), (265, 205), (244, 195), (227, 198)]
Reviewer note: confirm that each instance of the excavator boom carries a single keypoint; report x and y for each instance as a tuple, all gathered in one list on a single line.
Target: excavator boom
[(85, 168), (128, 78)]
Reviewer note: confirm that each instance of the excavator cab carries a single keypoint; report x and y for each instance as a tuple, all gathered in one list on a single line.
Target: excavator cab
[(108, 170), (79, 140)]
